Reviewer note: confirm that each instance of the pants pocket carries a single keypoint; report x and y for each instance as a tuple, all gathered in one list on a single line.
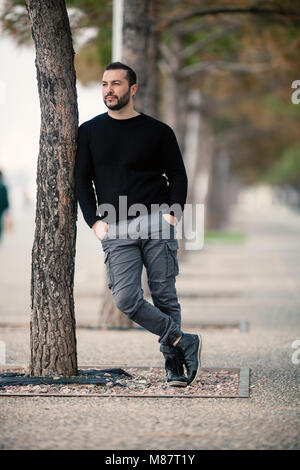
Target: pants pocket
[(173, 268), (108, 269)]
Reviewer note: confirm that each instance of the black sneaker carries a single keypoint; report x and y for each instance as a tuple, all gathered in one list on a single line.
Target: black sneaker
[(189, 346), (174, 371)]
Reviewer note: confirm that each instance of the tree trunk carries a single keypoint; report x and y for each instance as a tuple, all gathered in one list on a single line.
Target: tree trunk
[(218, 195), (153, 82), (203, 182), (110, 315), (191, 155), (52, 323), (136, 30), (181, 92)]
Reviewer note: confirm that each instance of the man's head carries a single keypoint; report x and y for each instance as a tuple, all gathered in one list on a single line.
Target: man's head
[(118, 85)]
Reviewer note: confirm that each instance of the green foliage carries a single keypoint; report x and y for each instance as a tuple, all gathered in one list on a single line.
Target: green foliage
[(222, 123), (104, 44), (224, 237), (14, 21), (87, 5), (90, 13), (191, 60), (166, 37), (286, 171), (292, 33), (193, 37), (282, 108), (224, 46)]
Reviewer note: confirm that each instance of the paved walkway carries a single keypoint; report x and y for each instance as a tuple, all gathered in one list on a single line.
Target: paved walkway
[(257, 281)]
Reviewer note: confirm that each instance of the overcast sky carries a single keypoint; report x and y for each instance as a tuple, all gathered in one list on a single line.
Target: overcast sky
[(20, 113)]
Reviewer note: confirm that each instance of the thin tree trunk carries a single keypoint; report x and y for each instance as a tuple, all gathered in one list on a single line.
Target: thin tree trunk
[(191, 149), (136, 30), (218, 195), (52, 324), (206, 145), (203, 182), (181, 93), (153, 83), (110, 316)]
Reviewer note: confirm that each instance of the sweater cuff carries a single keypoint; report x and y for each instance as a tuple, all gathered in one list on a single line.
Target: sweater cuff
[(92, 221)]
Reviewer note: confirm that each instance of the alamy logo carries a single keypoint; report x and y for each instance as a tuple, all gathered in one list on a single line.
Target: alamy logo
[(295, 98), (190, 227), (296, 354)]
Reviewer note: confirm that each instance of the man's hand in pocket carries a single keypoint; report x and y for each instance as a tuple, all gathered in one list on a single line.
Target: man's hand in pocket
[(171, 219), (100, 228)]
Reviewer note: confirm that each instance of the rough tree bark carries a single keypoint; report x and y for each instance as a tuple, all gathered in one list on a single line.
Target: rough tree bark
[(52, 323)]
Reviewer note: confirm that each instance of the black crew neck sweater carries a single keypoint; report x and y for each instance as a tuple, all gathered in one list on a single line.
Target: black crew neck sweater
[(128, 157)]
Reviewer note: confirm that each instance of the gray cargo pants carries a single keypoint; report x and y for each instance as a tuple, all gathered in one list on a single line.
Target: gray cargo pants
[(147, 240)]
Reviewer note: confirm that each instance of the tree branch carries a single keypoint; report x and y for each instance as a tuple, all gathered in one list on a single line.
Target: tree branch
[(214, 67), (244, 132), (169, 57), (226, 21), (202, 43), (164, 67), (161, 25)]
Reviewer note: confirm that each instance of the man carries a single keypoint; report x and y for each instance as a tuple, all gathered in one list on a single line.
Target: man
[(128, 154)]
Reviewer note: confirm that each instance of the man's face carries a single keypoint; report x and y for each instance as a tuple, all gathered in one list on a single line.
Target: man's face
[(115, 89)]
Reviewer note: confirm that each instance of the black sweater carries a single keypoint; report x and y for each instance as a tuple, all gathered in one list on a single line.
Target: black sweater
[(127, 157)]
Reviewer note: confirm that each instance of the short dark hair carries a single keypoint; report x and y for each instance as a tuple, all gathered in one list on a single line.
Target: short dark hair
[(130, 73)]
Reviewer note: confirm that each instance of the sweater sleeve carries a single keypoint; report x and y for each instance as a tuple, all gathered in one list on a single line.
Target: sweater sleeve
[(174, 169), (84, 172)]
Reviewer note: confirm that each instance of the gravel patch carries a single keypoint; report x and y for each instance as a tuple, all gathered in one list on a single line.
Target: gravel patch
[(144, 382)]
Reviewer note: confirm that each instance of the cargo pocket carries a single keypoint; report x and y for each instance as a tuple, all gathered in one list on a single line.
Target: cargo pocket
[(108, 269), (172, 247)]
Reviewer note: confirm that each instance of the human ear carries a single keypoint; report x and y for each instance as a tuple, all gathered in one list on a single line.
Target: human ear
[(134, 89)]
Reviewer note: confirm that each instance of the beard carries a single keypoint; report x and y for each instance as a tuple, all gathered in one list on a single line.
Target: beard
[(121, 102)]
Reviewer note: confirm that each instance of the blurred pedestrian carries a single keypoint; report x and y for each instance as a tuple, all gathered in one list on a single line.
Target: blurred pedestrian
[(4, 203)]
